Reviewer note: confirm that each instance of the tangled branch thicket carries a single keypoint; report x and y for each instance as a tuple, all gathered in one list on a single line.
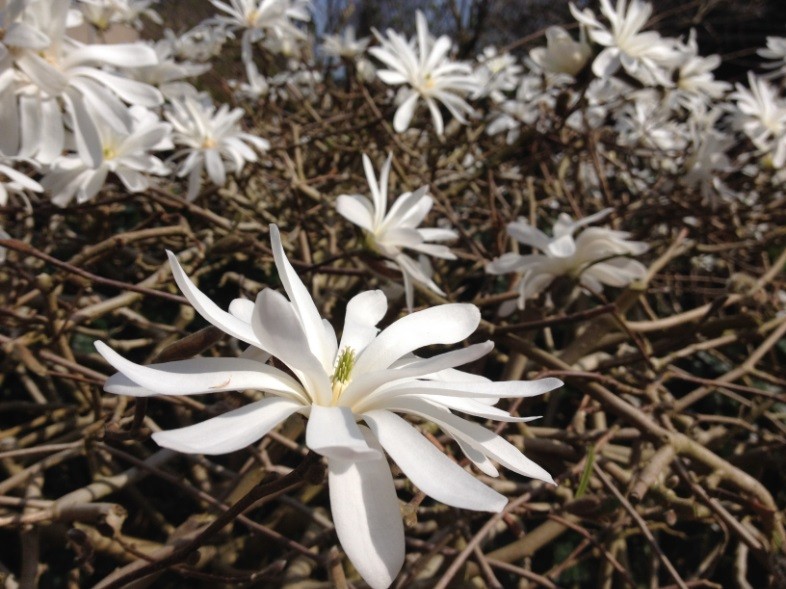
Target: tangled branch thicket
[(667, 441)]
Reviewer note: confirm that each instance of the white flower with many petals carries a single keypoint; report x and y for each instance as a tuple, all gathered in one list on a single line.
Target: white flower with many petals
[(263, 19), (594, 258), (211, 140), (647, 56), (424, 67), (696, 86), (776, 53), (497, 75), (345, 45), (389, 232), (69, 76), (125, 154), (762, 117), (367, 376)]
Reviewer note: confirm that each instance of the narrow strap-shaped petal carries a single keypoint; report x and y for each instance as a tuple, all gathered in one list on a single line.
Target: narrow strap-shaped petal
[(196, 376), (230, 431), (211, 312), (280, 332), (444, 324), (476, 436), (332, 432), (364, 311), (303, 303), (367, 517), (428, 468), (356, 209)]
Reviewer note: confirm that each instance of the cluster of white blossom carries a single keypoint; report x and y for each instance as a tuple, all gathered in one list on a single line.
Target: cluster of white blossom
[(78, 114)]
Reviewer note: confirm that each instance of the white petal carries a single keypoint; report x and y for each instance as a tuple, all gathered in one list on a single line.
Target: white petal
[(367, 517), (195, 376), (332, 432), (430, 470), (364, 311), (323, 349), (476, 436), (279, 332), (231, 431), (444, 324), (404, 113), (208, 309), (356, 209)]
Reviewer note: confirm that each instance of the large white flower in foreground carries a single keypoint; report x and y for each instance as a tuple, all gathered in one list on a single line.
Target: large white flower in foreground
[(367, 376), (391, 233), (596, 257), (428, 73), (761, 114)]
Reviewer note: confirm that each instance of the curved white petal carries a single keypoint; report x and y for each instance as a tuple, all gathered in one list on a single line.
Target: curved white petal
[(230, 431), (444, 324), (404, 113), (211, 312), (333, 433), (364, 311), (428, 468), (196, 376), (356, 209), (367, 517)]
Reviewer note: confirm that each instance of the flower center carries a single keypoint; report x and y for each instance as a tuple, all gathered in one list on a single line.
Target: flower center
[(208, 143), (342, 373)]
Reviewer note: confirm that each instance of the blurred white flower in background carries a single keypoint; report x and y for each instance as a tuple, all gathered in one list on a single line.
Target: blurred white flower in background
[(390, 232), (761, 114), (776, 53), (562, 55), (104, 13), (126, 154), (594, 258), (345, 45), (210, 139), (646, 56), (427, 72), (367, 376), (496, 74), (263, 19)]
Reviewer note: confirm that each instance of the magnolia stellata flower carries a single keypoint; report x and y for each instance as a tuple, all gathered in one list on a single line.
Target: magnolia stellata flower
[(762, 117), (776, 53), (647, 56), (391, 233), (210, 139), (125, 154), (596, 257), (367, 376), (345, 45), (695, 85), (428, 74), (561, 55), (71, 73), (497, 74), (261, 19)]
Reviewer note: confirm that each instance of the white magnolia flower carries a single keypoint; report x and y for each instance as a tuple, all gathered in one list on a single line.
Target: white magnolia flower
[(762, 117), (424, 67), (201, 43), (706, 159), (562, 55), (390, 232), (212, 140), (126, 154), (594, 258), (776, 52), (497, 75), (104, 13), (367, 376), (67, 75), (696, 86), (647, 56), (345, 45), (260, 19)]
